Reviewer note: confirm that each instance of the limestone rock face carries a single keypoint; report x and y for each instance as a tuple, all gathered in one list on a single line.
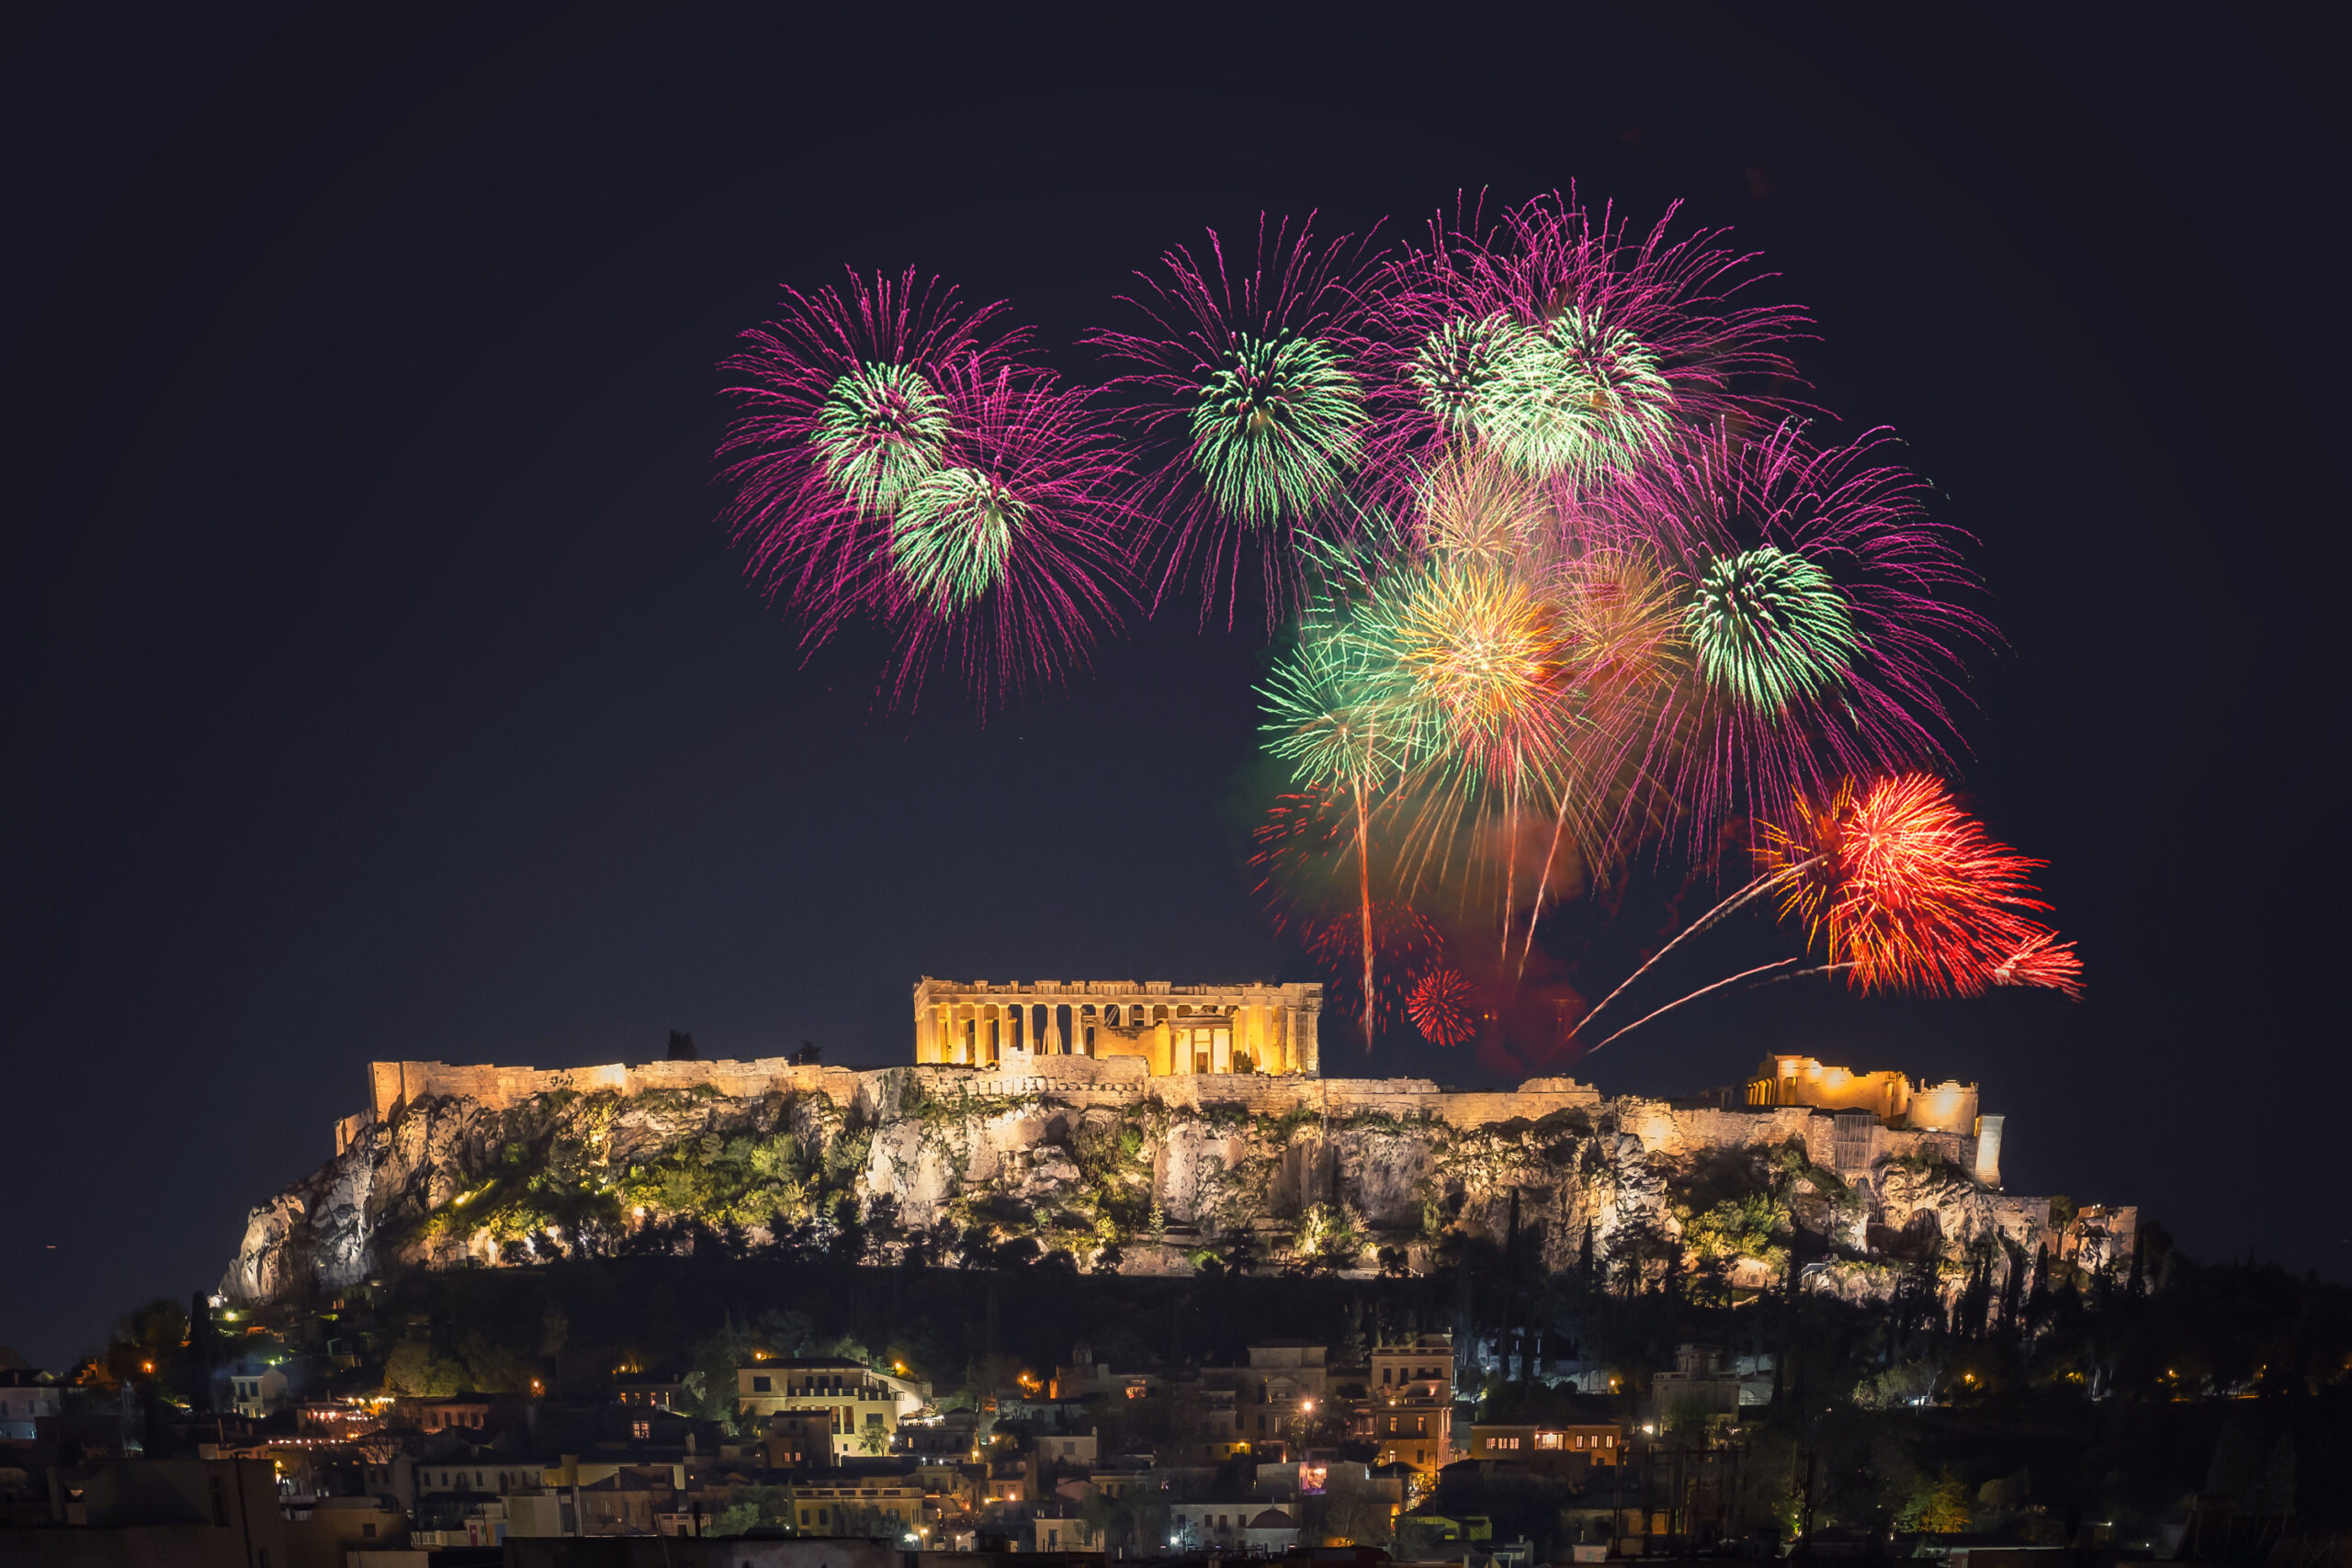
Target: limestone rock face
[(947, 1164)]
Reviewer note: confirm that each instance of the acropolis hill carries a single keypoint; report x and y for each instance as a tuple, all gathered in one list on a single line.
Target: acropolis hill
[(1144, 1128)]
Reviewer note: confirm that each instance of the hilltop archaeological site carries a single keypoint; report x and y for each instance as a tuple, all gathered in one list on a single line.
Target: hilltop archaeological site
[(1159, 1128)]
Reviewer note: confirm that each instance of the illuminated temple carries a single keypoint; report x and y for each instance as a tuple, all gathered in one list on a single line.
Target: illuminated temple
[(1259, 1028)]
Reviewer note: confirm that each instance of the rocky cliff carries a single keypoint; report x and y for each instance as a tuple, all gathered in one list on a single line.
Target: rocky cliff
[(949, 1164)]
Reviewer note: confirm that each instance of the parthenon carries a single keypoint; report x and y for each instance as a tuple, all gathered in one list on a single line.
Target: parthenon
[(1261, 1027)]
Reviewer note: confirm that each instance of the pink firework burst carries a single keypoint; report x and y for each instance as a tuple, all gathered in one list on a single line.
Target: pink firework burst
[(1249, 384), (1823, 609), (1573, 345), (1010, 559), (842, 410), (896, 460)]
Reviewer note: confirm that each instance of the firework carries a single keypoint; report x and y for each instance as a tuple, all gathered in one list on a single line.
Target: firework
[(880, 431), (1009, 561), (1457, 366), (950, 537), (1481, 656), (1443, 1008), (1406, 941), (1769, 627), (2037, 958), (1907, 891), (1328, 713), (1571, 345), (1245, 374), (1469, 503), (844, 411), (1571, 401), (1277, 429), (1823, 609)]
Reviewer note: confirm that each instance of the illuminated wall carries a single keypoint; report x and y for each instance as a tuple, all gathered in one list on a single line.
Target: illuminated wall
[(1947, 1107)]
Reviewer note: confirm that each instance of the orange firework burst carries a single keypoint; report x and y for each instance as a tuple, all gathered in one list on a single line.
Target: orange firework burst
[(1443, 1007), (1487, 658), (1908, 892)]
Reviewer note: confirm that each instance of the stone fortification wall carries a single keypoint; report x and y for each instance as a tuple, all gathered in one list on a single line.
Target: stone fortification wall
[(395, 1084), (1081, 1081)]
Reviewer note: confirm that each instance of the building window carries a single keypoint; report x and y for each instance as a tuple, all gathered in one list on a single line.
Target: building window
[(640, 1430), (763, 1384)]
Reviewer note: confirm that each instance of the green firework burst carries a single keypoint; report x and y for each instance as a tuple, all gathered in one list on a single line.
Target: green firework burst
[(1328, 713), (1629, 402), (1457, 365), (880, 431), (1769, 626), (950, 537), (1574, 399), (1277, 426)]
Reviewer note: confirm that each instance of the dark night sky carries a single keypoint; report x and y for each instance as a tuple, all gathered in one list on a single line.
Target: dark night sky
[(380, 685)]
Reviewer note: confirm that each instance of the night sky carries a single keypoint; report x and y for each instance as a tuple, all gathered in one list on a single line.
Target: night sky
[(380, 684)]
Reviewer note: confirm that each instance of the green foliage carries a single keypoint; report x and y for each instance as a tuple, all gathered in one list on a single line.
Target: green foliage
[(1940, 1507), (1750, 1227), (1325, 1236), (413, 1369)]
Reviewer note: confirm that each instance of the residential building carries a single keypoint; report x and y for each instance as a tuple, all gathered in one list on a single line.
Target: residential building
[(1701, 1381), (1060, 1528), (26, 1396), (865, 1405), (1073, 1449), (1250, 1524), (256, 1390), (1407, 1414), (858, 1504), (647, 1394), (1547, 1448), (469, 1412), (799, 1439), (1285, 1381)]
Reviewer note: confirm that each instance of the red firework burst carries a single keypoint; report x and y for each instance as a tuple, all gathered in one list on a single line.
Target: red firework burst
[(1443, 1007), (1908, 892)]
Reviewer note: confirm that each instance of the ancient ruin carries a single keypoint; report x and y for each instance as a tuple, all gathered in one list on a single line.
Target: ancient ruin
[(1173, 1029)]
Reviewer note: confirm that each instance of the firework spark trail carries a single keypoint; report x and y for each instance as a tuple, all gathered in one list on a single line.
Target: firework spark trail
[(1694, 996), (1754, 889), (1805, 973)]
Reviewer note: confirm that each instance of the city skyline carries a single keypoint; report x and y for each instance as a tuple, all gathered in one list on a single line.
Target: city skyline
[(396, 696)]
